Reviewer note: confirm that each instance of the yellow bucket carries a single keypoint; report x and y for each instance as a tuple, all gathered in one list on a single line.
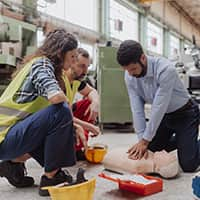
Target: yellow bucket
[(96, 153), (82, 191)]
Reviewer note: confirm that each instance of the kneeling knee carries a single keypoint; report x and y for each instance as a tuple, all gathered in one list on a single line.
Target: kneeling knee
[(188, 167)]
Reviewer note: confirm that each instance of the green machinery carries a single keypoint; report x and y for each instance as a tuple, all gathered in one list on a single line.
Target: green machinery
[(17, 39), (114, 101)]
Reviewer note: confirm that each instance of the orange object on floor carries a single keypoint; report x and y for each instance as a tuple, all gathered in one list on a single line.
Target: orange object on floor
[(96, 153), (142, 189)]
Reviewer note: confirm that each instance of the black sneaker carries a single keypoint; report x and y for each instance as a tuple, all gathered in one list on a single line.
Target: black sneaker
[(15, 174), (60, 177)]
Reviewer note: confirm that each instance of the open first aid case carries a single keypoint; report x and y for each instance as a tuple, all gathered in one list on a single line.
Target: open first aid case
[(136, 183)]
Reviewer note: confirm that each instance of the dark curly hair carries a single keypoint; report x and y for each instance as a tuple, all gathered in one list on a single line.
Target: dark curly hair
[(129, 52), (56, 44)]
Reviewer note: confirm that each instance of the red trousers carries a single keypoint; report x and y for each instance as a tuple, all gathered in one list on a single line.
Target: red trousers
[(79, 109)]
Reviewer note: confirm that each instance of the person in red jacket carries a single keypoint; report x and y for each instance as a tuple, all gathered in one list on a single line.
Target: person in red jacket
[(86, 110)]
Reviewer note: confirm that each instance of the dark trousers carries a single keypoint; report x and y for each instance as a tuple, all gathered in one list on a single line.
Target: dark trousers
[(46, 135), (179, 130)]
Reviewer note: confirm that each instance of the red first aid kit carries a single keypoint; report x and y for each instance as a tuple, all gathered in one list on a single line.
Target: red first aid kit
[(136, 183)]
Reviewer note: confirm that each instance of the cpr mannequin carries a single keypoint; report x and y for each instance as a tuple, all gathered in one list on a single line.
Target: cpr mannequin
[(160, 162)]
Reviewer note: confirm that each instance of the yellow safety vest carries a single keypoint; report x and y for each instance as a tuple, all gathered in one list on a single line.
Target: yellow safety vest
[(12, 112), (71, 89)]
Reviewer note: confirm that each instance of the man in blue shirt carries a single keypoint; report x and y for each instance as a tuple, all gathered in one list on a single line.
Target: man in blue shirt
[(174, 118)]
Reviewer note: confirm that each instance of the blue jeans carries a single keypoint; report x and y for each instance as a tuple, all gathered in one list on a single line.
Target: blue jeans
[(179, 131), (46, 135)]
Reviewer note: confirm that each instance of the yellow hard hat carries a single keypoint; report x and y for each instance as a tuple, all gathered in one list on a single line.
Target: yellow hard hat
[(96, 153), (82, 191)]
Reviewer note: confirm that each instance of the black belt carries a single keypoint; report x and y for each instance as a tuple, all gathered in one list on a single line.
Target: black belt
[(185, 107)]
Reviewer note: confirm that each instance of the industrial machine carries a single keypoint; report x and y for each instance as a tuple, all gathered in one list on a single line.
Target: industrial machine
[(189, 70), (114, 100), (17, 37)]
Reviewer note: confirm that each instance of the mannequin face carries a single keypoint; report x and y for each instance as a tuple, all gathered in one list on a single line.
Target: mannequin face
[(166, 164), (163, 158)]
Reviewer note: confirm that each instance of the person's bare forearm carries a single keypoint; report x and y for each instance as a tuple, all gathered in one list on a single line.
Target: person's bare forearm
[(58, 98), (82, 123), (93, 96), (94, 130)]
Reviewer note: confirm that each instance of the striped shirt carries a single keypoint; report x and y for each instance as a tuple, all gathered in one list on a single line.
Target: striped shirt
[(40, 81)]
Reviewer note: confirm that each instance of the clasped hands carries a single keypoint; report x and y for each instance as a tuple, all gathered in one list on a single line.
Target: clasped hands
[(139, 150)]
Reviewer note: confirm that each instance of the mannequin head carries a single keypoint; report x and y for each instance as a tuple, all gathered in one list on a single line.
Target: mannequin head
[(166, 164), (162, 162)]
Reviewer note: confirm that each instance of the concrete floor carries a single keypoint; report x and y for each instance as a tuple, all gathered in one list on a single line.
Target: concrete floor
[(177, 189)]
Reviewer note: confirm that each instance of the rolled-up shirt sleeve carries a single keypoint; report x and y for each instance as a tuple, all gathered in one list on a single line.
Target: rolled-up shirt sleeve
[(44, 80), (166, 80), (137, 108)]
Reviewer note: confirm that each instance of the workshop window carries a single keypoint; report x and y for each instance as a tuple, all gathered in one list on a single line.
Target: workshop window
[(83, 13), (187, 48), (123, 22), (11, 51), (40, 37), (154, 38), (174, 47)]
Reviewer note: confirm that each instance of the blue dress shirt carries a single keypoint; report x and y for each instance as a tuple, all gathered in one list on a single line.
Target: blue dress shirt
[(161, 87)]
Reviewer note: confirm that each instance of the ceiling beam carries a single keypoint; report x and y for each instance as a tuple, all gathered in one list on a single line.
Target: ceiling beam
[(180, 9)]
